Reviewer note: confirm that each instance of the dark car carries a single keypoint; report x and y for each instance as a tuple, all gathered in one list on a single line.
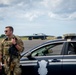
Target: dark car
[(56, 57)]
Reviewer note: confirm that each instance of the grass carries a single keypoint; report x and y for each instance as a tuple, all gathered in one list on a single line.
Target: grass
[(1, 39), (23, 38)]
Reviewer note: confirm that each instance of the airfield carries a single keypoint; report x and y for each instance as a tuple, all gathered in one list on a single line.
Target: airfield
[(28, 44)]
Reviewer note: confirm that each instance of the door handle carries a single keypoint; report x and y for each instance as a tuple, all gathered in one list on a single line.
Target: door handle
[(55, 60)]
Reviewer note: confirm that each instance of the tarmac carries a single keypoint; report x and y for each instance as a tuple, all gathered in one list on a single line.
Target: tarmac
[(28, 44)]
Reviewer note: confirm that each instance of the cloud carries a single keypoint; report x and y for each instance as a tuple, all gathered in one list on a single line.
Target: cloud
[(60, 9), (71, 16), (32, 15), (5, 2), (18, 2), (60, 6), (51, 3), (32, 9)]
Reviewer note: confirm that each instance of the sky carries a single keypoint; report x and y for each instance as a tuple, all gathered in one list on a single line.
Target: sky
[(51, 17)]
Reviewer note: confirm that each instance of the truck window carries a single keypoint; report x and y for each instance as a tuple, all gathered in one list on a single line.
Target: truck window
[(72, 48)]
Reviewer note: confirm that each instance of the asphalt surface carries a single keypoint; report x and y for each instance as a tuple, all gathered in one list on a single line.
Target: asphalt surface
[(28, 44)]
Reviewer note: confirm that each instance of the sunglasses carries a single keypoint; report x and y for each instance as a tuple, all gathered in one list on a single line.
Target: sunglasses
[(5, 31)]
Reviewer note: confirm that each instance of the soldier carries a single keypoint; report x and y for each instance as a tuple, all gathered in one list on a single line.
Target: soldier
[(11, 66)]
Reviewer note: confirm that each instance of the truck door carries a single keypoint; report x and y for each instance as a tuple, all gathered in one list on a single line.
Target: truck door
[(69, 59)]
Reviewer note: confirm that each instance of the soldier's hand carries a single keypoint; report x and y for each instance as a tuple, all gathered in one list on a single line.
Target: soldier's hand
[(13, 41)]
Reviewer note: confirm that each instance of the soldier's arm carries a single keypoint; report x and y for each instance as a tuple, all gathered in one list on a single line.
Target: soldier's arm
[(19, 45)]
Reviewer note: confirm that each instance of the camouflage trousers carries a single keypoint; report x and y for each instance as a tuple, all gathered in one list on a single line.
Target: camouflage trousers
[(13, 68)]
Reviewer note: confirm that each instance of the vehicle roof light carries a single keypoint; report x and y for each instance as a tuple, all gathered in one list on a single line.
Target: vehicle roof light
[(68, 39), (69, 36)]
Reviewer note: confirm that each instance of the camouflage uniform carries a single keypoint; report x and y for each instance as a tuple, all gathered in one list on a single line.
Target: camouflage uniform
[(15, 66)]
